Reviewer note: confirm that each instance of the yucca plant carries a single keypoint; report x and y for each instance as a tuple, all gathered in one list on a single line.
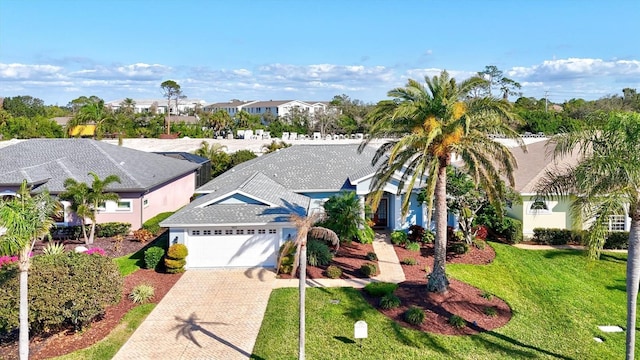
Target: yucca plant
[(142, 293), (53, 248)]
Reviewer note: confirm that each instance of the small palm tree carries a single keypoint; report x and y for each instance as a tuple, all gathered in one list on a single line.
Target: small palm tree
[(23, 220), (85, 200), (304, 226), (604, 182), (433, 123)]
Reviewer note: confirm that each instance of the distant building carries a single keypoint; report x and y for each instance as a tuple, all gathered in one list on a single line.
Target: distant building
[(160, 105), (278, 108)]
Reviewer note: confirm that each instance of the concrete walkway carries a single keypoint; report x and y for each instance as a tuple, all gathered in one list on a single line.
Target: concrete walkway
[(208, 314), (390, 269)]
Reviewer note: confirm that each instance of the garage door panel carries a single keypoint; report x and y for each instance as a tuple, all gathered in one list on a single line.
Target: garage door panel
[(232, 251)]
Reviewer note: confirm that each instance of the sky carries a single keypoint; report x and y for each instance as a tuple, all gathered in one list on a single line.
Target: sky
[(59, 50)]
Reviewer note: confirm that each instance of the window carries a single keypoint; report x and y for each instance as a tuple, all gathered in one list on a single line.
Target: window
[(539, 206), (228, 232), (195, 232), (617, 222), (251, 232), (124, 205), (239, 232), (145, 202), (206, 232), (217, 232), (272, 231), (261, 231)]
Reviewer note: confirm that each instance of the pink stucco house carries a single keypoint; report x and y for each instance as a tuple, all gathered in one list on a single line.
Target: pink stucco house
[(150, 183)]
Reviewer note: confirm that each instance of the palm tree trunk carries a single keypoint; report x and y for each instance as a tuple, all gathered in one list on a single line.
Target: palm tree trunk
[(302, 291), (633, 279), (438, 279), (23, 339), (92, 232)]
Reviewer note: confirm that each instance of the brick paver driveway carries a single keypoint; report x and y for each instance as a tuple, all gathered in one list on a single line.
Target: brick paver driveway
[(208, 314)]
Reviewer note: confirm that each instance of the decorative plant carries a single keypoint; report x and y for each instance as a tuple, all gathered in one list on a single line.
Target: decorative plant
[(457, 322), (142, 293), (53, 248), (333, 272), (389, 301), (409, 261), (414, 315), (175, 259)]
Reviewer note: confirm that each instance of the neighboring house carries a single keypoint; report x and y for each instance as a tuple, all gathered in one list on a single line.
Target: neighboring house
[(160, 105), (242, 217), (278, 108), (150, 183), (536, 212)]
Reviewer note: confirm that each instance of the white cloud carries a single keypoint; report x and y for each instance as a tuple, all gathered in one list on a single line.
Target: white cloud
[(419, 74), (575, 68), (26, 71)]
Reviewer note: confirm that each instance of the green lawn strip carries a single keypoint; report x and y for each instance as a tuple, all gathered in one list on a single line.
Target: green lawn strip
[(109, 346), (558, 298), (129, 264)]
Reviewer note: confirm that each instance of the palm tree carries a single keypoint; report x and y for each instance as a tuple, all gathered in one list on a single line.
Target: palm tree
[(430, 125), (604, 182), (87, 200), (304, 226), (23, 220), (92, 113)]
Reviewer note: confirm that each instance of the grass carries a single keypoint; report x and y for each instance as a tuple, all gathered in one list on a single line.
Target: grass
[(558, 298), (128, 264), (109, 346)]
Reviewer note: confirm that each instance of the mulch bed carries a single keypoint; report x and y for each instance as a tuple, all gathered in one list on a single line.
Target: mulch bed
[(349, 258), (67, 341), (461, 299)]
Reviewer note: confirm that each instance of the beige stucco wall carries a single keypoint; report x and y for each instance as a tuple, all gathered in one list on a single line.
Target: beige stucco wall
[(557, 217)]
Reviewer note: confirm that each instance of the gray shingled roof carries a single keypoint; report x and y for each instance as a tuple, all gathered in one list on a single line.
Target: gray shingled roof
[(55, 160), (206, 210), (302, 168)]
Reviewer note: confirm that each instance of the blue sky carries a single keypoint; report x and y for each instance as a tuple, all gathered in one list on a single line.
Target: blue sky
[(312, 50)]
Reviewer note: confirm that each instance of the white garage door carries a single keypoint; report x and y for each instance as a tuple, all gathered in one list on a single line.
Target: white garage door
[(232, 248)]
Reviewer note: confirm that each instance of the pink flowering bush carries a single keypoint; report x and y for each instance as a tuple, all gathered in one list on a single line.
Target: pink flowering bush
[(6, 260), (95, 250)]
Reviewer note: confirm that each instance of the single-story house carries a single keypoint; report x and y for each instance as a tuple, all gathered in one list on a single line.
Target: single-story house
[(150, 183), (551, 212), (242, 216)]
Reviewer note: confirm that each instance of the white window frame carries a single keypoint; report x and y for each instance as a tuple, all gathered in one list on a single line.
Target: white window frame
[(122, 209), (217, 232), (145, 203), (195, 232), (546, 210), (615, 221)]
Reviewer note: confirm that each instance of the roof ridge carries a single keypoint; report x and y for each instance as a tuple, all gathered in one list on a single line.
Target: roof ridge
[(112, 160), (244, 183)]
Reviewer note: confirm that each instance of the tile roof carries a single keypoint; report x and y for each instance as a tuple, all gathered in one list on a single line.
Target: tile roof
[(55, 160), (302, 168)]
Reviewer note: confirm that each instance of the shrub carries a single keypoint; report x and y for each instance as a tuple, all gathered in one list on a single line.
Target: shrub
[(83, 287), (481, 232), (175, 260), (617, 240), (415, 233), (366, 235), (414, 315), (389, 301), (460, 248), (111, 229), (479, 243), (52, 249), (153, 224), (177, 251), (429, 237), (457, 322), (143, 235), (142, 293), (554, 236), (399, 237), (487, 295), (286, 260), (318, 253), (6, 260), (490, 311), (409, 261), (153, 256), (427, 269), (512, 230), (378, 289), (368, 269), (371, 256), (413, 246), (95, 250), (117, 242), (333, 272)]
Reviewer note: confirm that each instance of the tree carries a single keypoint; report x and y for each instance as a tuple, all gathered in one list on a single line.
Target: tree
[(128, 106), (604, 182), (23, 220), (217, 121), (431, 124), (241, 156), (26, 106), (344, 215), (170, 90), (92, 113), (304, 227), (86, 201), (216, 153), (496, 78)]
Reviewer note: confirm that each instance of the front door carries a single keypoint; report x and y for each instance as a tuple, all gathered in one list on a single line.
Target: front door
[(381, 214)]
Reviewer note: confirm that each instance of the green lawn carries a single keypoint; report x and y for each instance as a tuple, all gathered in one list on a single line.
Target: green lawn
[(558, 298), (109, 346)]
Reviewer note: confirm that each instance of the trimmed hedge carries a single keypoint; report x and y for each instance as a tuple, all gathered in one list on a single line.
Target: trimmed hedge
[(153, 257), (617, 240), (175, 259), (65, 291), (555, 236), (153, 224), (111, 229), (378, 289)]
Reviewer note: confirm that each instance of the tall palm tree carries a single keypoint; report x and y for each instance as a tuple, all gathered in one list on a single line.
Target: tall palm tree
[(304, 227), (604, 182), (429, 125), (86, 200), (92, 113), (23, 220)]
